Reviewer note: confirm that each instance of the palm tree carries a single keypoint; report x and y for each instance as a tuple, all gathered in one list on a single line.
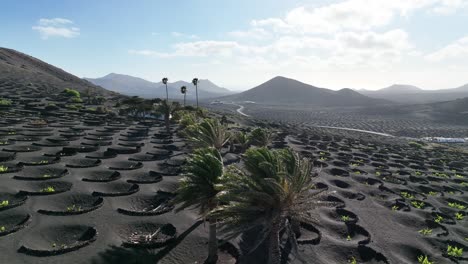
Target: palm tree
[(183, 90), (195, 82), (209, 133), (243, 140), (260, 137), (164, 81), (275, 189), (198, 189), (167, 109)]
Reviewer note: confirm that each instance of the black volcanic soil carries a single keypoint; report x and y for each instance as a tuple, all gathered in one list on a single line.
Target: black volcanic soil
[(100, 195), (386, 192), (378, 181)]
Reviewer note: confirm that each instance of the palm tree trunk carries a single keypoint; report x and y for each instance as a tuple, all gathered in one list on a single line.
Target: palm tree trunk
[(274, 252), (296, 227), (168, 122), (196, 91), (167, 94), (231, 147), (212, 244), (184, 99)]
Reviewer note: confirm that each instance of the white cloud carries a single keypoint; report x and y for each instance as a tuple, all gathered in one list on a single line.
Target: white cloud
[(352, 15), (348, 36), (456, 50), (447, 7), (347, 48), (251, 34), (396, 39), (182, 35), (56, 27)]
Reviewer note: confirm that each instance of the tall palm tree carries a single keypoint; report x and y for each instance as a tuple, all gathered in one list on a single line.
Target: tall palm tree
[(209, 133), (195, 82), (275, 189), (167, 109), (164, 81), (183, 90), (198, 189), (261, 137)]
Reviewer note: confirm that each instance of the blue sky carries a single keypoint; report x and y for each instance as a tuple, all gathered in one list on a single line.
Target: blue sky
[(239, 44)]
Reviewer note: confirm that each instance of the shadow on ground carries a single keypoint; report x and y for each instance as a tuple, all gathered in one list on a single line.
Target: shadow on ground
[(117, 254)]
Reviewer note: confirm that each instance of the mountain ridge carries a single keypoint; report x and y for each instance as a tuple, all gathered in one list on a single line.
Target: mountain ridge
[(25, 70), (283, 90), (136, 86), (408, 94)]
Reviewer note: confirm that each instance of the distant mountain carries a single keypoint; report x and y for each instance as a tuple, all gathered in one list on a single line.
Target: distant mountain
[(21, 70), (281, 90), (400, 89), (408, 94), (461, 89), (130, 85)]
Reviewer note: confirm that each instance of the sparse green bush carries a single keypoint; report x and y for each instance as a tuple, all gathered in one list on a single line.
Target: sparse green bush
[(415, 144), (74, 208), (418, 204), (3, 168), (5, 102), (71, 93), (454, 251), (51, 107), (407, 195), (48, 189), (4, 203), (74, 107), (345, 218), (98, 110), (352, 260), (457, 205), (425, 231), (424, 260), (76, 100)]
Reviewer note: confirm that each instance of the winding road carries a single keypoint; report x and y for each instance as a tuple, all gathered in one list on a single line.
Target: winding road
[(241, 108), (358, 130)]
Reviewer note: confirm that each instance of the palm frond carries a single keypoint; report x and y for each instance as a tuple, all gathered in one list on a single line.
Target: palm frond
[(198, 187), (209, 133), (275, 183)]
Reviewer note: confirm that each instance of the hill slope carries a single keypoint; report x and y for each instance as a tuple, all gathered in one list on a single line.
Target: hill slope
[(20, 70), (131, 85), (408, 94), (281, 90)]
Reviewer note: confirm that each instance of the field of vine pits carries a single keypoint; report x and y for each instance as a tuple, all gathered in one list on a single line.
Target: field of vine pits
[(397, 123), (79, 187)]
